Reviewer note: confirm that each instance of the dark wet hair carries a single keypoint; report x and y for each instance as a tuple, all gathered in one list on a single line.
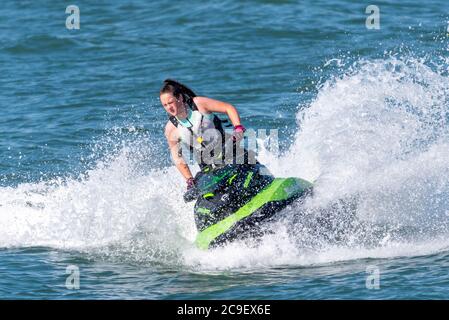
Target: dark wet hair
[(176, 88)]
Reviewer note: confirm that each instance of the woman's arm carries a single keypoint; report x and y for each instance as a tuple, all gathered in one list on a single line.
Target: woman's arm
[(172, 139), (207, 105)]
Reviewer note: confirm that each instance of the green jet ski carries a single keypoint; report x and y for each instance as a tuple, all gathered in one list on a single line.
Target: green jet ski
[(234, 201)]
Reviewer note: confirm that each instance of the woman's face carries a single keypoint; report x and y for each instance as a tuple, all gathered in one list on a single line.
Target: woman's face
[(172, 105)]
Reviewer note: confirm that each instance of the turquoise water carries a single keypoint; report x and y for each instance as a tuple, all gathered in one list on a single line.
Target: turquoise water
[(86, 178)]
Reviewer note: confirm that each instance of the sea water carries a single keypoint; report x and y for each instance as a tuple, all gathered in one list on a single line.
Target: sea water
[(91, 206)]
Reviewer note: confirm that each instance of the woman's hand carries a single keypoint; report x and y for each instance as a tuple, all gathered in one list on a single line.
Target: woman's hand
[(192, 191), (190, 183), (238, 133)]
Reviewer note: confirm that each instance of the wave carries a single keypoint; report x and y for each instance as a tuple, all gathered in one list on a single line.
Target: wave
[(41, 43), (378, 132)]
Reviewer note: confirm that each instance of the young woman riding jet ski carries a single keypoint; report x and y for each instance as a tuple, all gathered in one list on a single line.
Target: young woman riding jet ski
[(192, 122), (234, 192)]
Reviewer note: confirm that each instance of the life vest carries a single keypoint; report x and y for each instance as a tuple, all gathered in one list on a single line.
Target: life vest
[(201, 133)]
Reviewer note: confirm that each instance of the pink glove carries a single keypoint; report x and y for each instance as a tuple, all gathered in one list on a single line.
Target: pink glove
[(237, 135)]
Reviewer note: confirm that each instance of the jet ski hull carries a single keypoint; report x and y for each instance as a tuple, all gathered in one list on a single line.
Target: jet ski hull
[(245, 221)]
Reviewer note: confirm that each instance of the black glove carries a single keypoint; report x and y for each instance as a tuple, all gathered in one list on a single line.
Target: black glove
[(192, 191)]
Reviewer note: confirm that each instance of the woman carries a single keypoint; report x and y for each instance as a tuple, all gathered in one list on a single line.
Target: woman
[(192, 122), (234, 194)]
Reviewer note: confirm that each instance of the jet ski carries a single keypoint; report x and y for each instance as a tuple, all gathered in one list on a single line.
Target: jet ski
[(235, 201)]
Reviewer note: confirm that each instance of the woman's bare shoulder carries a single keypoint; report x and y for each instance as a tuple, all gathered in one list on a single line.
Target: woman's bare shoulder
[(202, 103)]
